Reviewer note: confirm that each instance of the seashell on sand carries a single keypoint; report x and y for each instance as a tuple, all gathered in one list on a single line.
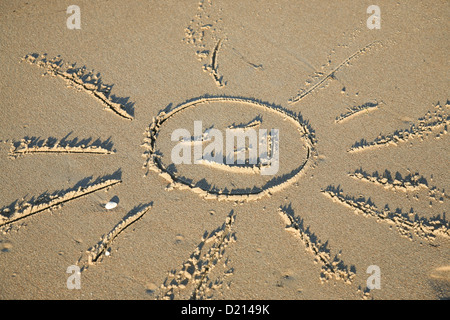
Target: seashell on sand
[(110, 205)]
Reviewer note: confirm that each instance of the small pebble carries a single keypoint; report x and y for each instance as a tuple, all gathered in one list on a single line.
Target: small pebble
[(110, 205)]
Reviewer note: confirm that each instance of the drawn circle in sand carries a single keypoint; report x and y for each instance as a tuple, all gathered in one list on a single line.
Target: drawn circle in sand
[(300, 143)]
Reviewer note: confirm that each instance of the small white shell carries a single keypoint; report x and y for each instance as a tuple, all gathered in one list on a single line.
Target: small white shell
[(110, 205)]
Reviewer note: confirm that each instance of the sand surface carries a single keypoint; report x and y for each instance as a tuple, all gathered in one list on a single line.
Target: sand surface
[(86, 117)]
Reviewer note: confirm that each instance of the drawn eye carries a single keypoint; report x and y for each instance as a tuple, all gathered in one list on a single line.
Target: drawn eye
[(220, 158)]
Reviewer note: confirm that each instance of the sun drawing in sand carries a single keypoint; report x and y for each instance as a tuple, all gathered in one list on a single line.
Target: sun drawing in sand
[(193, 278)]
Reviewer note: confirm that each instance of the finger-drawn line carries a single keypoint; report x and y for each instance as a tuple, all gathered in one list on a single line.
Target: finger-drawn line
[(256, 122), (426, 229), (439, 118), (254, 65), (47, 201), (330, 267), (34, 145), (411, 182), (195, 272), (212, 68), (331, 74), (81, 79), (236, 168), (95, 252), (356, 110)]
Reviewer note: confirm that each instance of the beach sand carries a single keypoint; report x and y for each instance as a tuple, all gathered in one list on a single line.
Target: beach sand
[(357, 209)]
